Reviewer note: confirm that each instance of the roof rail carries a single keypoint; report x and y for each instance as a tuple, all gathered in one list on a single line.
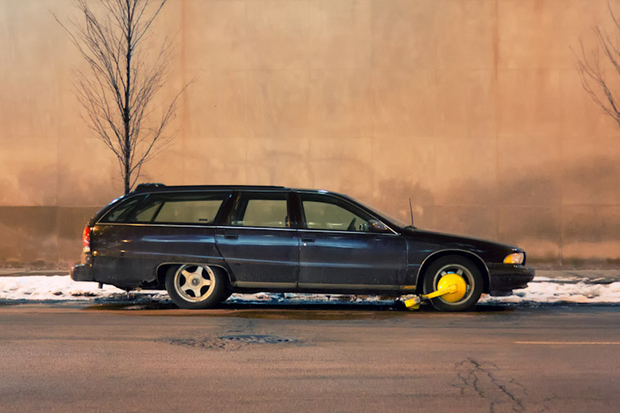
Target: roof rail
[(147, 186)]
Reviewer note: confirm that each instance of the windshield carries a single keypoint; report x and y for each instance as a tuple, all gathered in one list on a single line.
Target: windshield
[(388, 217)]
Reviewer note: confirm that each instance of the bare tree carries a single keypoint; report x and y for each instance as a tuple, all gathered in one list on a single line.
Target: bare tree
[(117, 91), (593, 78)]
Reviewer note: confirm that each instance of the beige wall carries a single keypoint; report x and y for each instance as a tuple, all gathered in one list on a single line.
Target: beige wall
[(473, 108)]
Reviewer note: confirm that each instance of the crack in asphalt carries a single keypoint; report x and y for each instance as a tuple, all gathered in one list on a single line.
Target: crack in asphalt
[(483, 381)]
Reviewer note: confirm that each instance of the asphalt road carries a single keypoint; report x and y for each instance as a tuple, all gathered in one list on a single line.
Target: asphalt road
[(59, 358)]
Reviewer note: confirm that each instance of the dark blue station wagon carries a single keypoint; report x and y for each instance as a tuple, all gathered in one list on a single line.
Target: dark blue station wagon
[(203, 243)]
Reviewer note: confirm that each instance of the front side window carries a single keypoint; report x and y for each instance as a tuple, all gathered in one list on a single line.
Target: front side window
[(327, 213), (261, 210)]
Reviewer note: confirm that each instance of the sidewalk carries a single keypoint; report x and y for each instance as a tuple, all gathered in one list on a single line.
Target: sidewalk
[(558, 276)]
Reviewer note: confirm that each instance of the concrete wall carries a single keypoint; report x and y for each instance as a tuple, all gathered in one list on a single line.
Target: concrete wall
[(473, 108)]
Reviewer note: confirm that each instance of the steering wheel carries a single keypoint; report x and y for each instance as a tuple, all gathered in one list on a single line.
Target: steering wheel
[(351, 226)]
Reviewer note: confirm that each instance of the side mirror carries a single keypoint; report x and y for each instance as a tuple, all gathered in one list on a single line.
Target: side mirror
[(376, 226)]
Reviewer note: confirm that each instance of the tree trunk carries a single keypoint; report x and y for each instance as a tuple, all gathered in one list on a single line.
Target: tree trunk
[(126, 113)]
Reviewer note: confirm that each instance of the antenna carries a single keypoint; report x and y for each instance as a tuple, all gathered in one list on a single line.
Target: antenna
[(411, 211)]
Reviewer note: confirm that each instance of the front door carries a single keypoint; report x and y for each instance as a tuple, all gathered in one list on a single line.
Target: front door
[(338, 252)]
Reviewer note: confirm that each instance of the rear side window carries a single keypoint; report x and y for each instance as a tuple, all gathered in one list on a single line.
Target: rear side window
[(261, 210), (200, 208)]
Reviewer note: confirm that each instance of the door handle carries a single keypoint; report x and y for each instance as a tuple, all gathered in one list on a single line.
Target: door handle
[(231, 236), (308, 239)]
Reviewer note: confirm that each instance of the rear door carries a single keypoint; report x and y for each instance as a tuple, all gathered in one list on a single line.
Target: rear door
[(258, 242), (338, 252)]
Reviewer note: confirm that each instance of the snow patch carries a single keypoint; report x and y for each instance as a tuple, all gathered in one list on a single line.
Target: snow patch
[(41, 288), (554, 292), (62, 288)]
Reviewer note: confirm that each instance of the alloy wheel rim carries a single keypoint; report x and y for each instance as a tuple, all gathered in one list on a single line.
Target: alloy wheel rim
[(194, 283)]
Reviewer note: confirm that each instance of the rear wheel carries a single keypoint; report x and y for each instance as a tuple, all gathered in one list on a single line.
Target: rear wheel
[(461, 266), (226, 295), (195, 286)]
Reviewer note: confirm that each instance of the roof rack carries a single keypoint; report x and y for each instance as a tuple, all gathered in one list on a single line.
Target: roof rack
[(158, 186), (147, 186)]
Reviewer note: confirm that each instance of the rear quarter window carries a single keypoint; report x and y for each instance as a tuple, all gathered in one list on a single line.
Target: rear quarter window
[(194, 211), (123, 211), (201, 208)]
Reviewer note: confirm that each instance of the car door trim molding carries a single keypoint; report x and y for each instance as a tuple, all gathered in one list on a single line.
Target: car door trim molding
[(340, 231), (255, 285), (315, 286), (262, 261), (322, 286), (236, 227), (152, 224)]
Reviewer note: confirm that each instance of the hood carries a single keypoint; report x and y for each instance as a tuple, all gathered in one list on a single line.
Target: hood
[(488, 250)]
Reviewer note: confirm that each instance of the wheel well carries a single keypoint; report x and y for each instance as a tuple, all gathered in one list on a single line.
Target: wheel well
[(162, 270), (476, 260), (161, 274)]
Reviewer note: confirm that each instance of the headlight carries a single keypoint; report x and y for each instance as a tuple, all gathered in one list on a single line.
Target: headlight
[(516, 258)]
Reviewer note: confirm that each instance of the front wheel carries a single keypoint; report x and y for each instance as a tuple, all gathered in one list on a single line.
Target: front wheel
[(195, 286), (454, 264)]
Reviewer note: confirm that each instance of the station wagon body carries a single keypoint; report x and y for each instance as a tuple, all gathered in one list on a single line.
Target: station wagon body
[(203, 243)]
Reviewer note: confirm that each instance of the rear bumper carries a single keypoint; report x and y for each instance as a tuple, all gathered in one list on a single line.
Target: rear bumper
[(508, 277), (82, 272)]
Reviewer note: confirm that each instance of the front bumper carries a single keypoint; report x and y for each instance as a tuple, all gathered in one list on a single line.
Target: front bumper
[(82, 272), (508, 277)]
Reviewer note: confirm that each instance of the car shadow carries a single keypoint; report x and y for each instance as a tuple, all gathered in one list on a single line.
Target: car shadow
[(289, 310)]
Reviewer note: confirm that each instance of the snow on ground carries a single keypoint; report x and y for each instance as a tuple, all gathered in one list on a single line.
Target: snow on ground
[(554, 292), (62, 288), (56, 288)]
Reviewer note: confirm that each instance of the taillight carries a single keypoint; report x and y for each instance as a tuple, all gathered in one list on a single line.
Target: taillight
[(86, 239)]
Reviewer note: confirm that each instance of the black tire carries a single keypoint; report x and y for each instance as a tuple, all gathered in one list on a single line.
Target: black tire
[(462, 266), (195, 286), (227, 294)]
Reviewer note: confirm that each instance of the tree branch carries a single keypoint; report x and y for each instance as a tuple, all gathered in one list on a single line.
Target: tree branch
[(593, 77), (119, 90)]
